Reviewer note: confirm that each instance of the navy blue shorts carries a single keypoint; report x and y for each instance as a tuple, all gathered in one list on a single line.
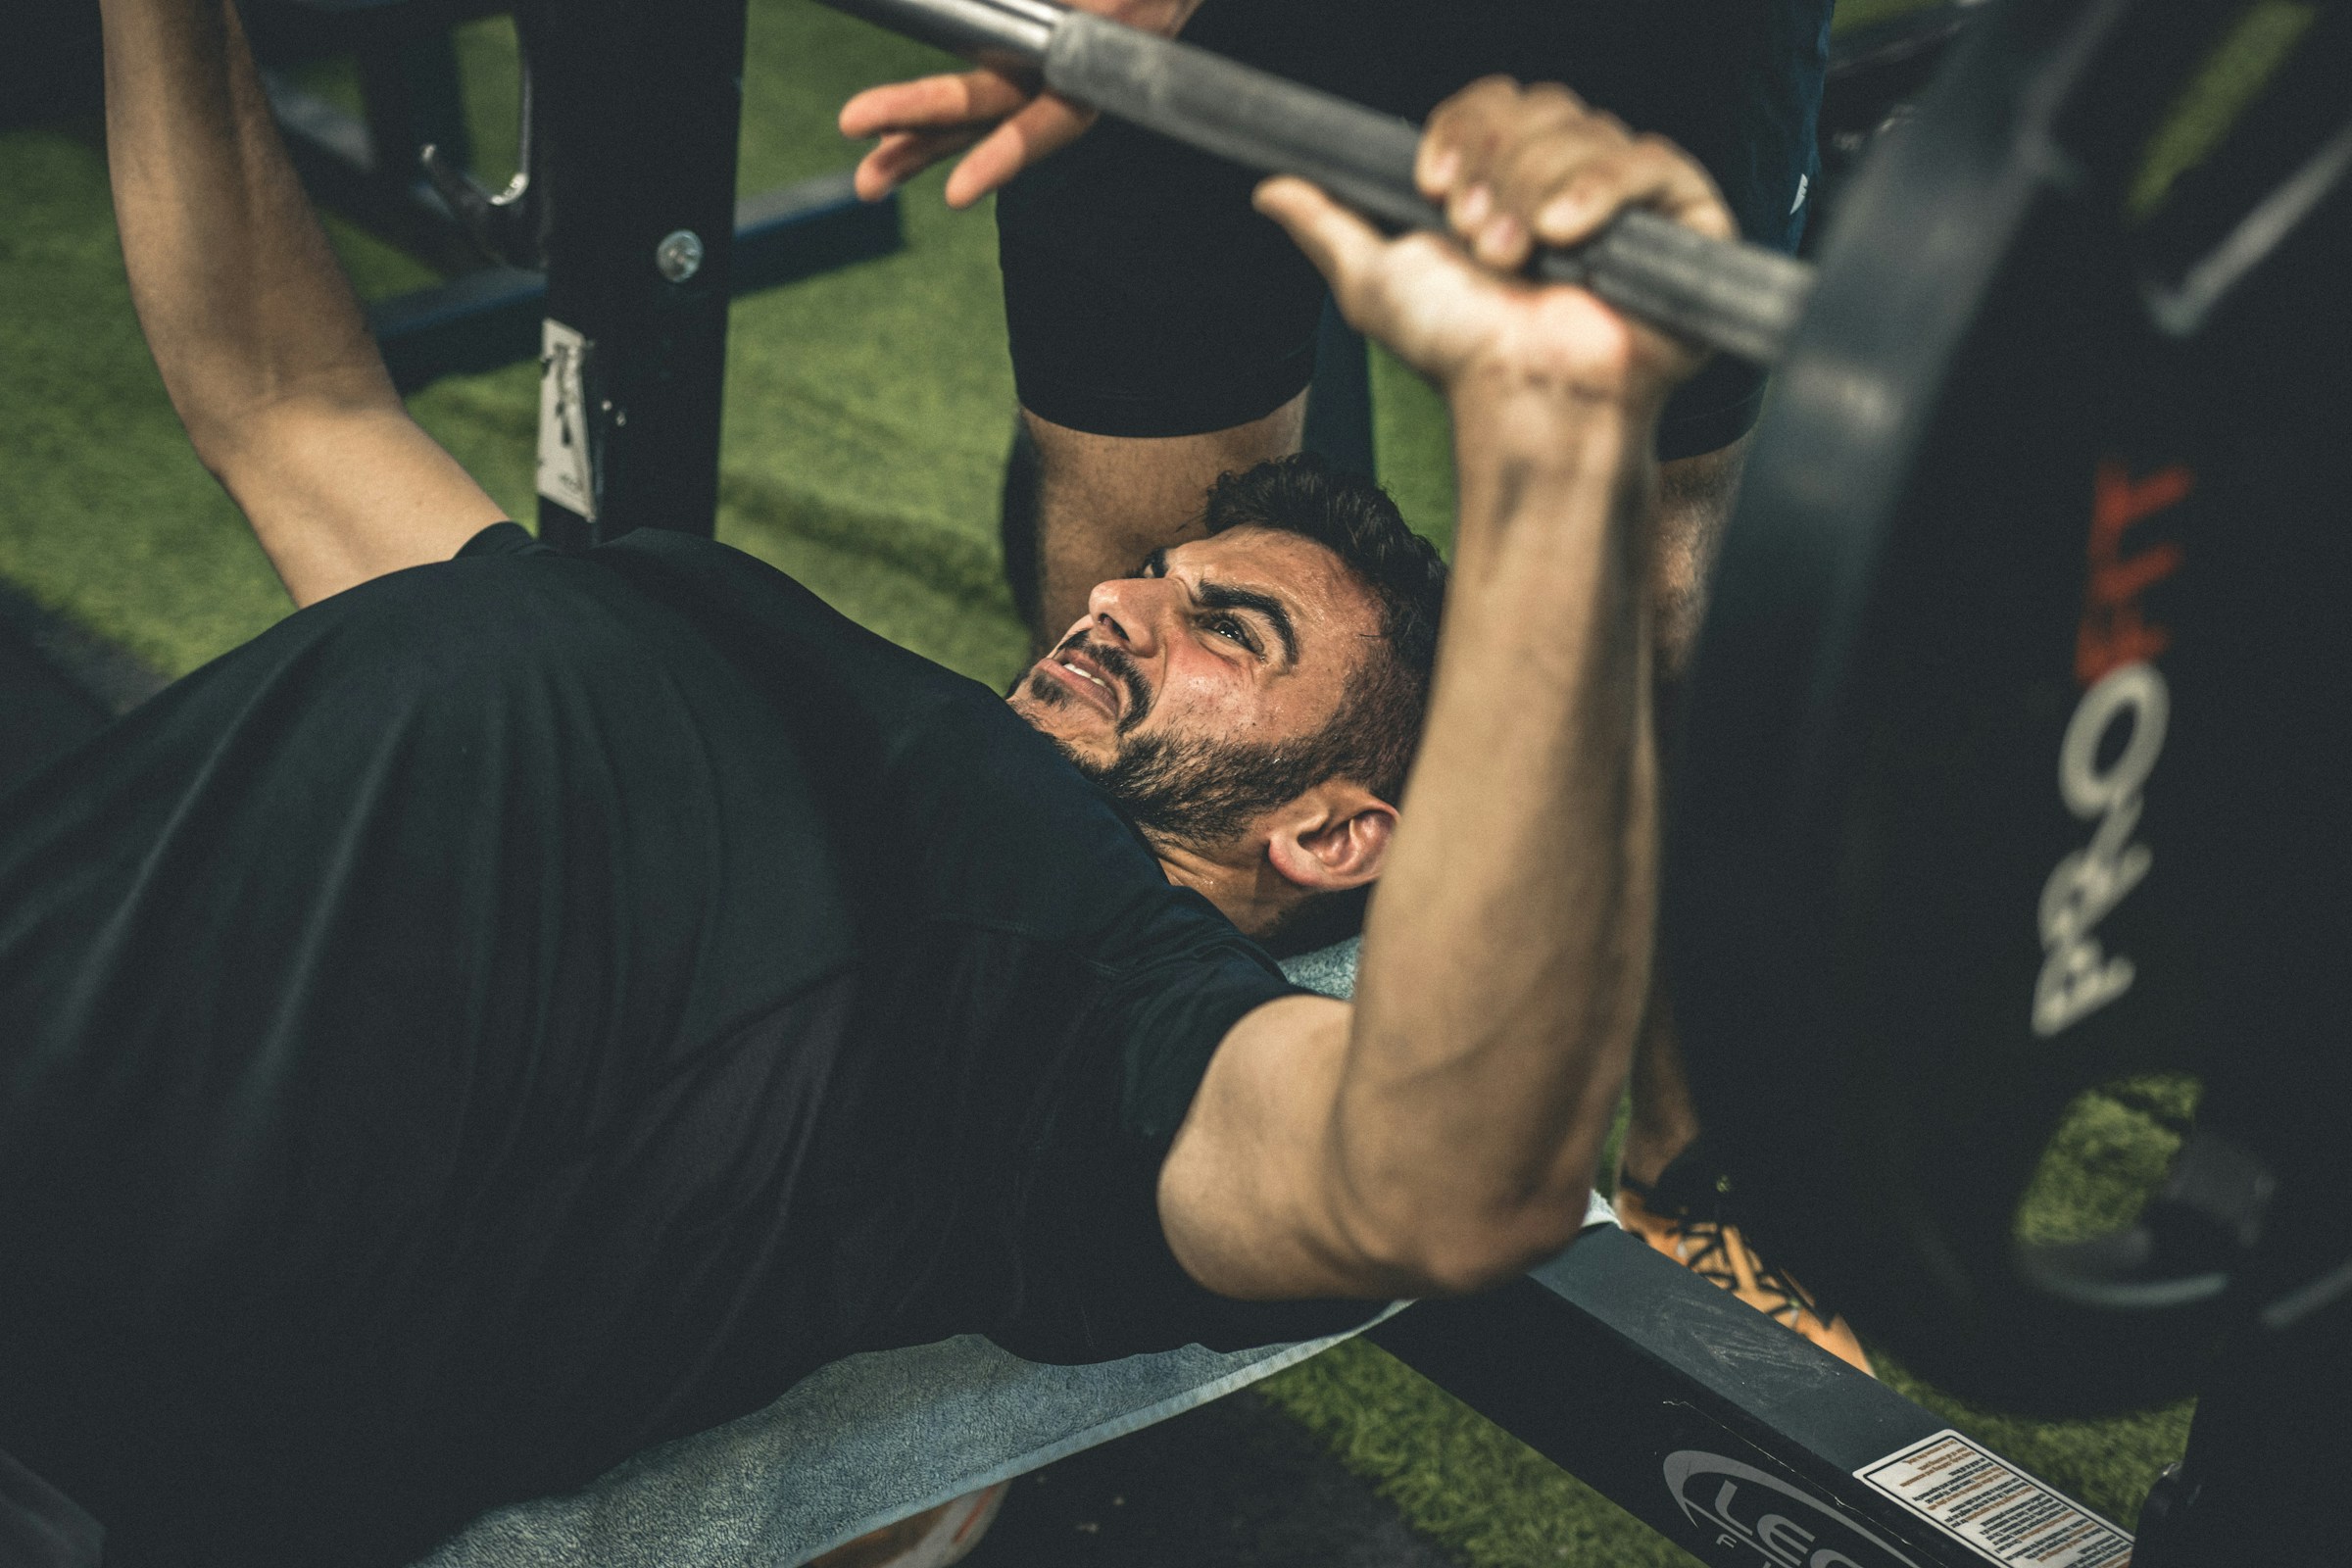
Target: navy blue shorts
[(1147, 299)]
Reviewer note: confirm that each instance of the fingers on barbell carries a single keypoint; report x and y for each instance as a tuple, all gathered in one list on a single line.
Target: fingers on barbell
[(932, 103), (1644, 172), (1458, 130), (1490, 114), (1529, 174), (1043, 126), (903, 154), (1515, 166)]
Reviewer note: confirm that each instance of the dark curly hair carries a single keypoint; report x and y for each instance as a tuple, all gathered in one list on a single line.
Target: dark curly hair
[(1371, 740)]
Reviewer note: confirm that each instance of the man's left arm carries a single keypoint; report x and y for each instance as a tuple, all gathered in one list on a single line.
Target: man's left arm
[(260, 340)]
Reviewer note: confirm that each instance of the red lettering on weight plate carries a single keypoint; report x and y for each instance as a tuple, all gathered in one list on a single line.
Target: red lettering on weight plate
[(2114, 632)]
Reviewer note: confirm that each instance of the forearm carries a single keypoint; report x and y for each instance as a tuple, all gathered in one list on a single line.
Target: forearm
[(241, 300), (1507, 952)]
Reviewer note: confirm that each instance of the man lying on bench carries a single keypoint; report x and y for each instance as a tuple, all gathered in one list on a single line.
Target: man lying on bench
[(523, 1007)]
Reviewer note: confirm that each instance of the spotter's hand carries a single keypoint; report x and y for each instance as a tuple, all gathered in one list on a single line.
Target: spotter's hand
[(1007, 122), (1513, 167)]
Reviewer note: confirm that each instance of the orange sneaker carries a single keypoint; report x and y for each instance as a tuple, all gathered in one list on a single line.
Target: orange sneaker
[(1716, 1251)]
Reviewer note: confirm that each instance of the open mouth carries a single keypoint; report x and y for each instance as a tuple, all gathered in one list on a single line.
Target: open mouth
[(1085, 680)]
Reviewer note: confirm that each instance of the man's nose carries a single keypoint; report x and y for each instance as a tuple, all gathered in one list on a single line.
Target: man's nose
[(1129, 610)]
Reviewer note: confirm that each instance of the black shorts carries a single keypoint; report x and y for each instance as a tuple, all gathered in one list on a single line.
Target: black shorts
[(1146, 298)]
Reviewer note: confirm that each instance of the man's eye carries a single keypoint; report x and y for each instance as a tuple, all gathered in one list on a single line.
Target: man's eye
[(1232, 630)]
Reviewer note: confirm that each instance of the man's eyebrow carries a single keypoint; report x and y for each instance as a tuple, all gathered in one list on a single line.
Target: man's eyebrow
[(1219, 596)]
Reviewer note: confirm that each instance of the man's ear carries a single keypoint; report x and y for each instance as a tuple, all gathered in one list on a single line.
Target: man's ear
[(1333, 838)]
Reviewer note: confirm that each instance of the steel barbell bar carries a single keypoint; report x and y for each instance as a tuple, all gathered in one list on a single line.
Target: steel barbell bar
[(1740, 299)]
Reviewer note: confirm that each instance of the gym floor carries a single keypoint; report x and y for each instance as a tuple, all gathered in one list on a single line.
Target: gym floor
[(867, 412)]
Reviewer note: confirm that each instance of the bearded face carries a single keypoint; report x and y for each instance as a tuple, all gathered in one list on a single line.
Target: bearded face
[(1178, 785), (1208, 688)]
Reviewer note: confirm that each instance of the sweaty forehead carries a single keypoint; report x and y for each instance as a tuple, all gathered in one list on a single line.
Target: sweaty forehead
[(1323, 597)]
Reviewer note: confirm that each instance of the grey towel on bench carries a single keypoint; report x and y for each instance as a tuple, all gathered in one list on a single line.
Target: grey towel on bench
[(858, 1445)]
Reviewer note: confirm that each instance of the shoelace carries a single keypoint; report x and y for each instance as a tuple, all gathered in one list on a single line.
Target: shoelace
[(1715, 1261)]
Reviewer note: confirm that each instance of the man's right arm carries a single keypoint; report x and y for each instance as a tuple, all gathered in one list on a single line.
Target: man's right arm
[(1442, 1135), (260, 340)]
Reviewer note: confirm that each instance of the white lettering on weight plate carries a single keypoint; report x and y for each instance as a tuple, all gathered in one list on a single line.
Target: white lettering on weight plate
[(2077, 977)]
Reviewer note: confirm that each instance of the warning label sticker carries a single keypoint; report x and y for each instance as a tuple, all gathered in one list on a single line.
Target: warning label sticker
[(1976, 1495)]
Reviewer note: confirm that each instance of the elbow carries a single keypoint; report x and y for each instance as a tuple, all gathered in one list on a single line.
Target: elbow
[(216, 448), (1431, 1249), (230, 437), (238, 422), (1484, 1262)]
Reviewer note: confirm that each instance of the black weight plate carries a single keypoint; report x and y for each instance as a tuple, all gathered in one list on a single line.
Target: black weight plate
[(2006, 764)]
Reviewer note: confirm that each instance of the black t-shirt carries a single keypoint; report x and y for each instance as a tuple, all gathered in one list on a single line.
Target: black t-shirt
[(530, 1007)]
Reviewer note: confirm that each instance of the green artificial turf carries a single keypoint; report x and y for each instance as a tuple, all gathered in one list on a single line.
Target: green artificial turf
[(866, 418)]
